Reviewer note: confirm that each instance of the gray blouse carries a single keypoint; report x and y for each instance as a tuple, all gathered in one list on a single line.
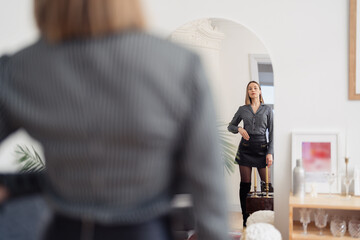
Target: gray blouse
[(254, 123), (124, 120)]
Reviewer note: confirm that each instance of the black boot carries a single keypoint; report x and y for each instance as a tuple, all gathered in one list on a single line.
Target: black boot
[(244, 190)]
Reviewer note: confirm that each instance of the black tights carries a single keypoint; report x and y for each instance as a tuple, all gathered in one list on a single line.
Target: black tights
[(245, 174), (245, 185)]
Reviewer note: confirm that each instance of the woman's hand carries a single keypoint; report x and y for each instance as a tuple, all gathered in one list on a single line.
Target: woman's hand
[(3, 194), (269, 159), (244, 133)]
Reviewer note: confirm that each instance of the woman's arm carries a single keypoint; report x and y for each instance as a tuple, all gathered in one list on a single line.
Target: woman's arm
[(21, 184), (233, 125), (200, 161), (13, 185), (270, 128), (5, 124), (4, 194)]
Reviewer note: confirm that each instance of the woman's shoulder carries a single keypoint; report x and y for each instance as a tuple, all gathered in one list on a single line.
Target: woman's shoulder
[(4, 59), (241, 108), (267, 107), (4, 63), (156, 44), (17, 57)]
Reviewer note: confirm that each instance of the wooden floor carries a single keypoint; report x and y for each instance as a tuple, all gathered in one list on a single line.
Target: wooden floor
[(236, 226), (236, 222)]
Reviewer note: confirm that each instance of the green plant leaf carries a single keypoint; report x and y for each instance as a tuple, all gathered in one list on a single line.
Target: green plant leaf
[(228, 148), (29, 160)]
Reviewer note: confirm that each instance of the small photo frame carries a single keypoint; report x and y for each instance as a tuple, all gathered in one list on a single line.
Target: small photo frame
[(319, 154)]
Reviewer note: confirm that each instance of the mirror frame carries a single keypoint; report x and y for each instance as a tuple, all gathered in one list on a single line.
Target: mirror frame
[(352, 52)]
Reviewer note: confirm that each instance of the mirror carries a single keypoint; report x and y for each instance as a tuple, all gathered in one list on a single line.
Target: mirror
[(232, 56)]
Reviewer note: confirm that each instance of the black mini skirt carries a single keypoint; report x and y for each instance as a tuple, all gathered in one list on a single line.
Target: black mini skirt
[(252, 153)]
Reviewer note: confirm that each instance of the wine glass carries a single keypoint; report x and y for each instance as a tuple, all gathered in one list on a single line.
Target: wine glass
[(320, 217), (331, 179), (305, 218), (347, 181)]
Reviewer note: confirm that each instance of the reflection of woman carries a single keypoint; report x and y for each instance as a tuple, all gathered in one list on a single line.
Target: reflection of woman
[(254, 150), (124, 118)]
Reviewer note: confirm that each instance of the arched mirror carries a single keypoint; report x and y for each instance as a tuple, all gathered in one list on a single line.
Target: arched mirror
[(233, 56)]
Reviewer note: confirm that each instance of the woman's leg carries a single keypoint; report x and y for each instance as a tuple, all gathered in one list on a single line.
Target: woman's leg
[(245, 185), (262, 173), (245, 174)]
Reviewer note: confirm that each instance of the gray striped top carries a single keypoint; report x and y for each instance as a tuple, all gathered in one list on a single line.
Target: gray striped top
[(123, 119), (254, 123)]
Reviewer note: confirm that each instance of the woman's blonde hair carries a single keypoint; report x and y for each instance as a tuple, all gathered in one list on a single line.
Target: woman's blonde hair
[(60, 20), (248, 98)]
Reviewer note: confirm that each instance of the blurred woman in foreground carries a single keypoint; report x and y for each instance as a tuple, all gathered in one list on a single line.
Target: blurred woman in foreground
[(124, 118)]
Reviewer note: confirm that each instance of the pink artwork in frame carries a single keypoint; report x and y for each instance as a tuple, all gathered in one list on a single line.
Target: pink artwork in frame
[(316, 156), (318, 152)]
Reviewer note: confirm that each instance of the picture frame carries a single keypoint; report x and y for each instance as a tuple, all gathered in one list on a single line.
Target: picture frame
[(319, 154), (354, 50)]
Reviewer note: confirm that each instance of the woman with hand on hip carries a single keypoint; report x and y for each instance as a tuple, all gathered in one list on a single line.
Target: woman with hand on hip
[(254, 149)]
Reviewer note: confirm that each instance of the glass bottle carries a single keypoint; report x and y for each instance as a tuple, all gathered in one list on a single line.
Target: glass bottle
[(299, 180)]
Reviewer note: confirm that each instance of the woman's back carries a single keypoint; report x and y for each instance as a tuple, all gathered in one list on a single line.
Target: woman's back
[(121, 118), (108, 112)]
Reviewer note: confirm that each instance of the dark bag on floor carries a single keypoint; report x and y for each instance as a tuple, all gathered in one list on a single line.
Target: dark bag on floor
[(260, 200)]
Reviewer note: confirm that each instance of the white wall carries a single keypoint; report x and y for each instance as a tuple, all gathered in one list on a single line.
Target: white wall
[(308, 44), (17, 25)]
